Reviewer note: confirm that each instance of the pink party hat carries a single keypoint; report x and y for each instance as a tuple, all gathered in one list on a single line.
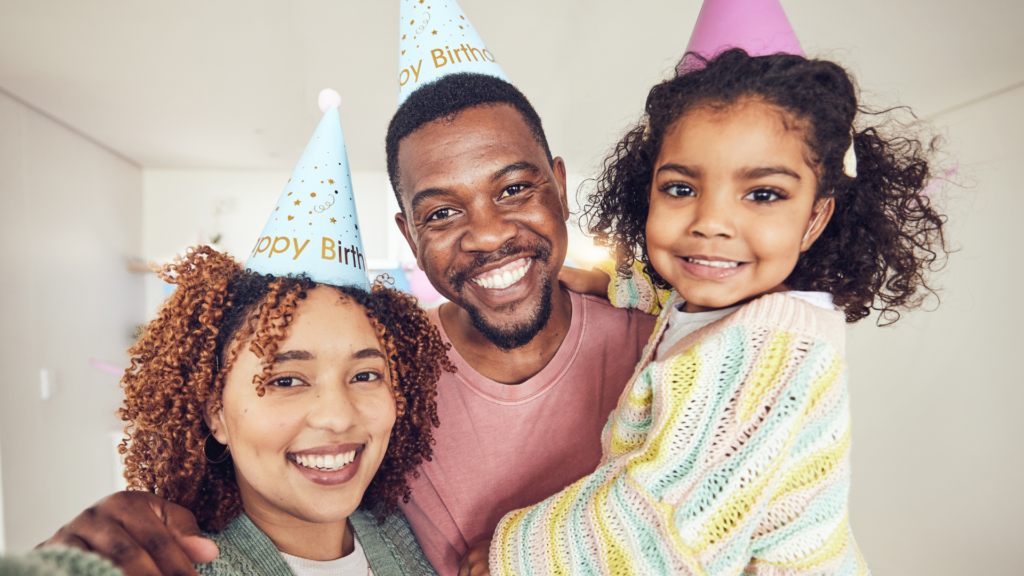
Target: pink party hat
[(758, 26)]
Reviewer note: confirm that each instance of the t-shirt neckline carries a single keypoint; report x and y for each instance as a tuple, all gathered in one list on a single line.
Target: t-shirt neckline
[(353, 563), (539, 383)]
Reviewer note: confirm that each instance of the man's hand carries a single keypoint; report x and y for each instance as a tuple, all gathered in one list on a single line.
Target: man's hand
[(141, 534), (474, 563), (593, 282)]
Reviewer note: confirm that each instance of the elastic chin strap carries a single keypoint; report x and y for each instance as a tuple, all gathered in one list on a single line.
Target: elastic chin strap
[(820, 212)]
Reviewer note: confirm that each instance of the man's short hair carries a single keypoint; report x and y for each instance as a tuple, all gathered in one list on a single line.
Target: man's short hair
[(445, 98)]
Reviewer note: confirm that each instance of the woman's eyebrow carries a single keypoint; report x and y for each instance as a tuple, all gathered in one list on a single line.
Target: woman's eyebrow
[(368, 353), (293, 355)]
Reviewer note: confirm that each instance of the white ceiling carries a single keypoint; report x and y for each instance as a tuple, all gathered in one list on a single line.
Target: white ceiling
[(233, 84)]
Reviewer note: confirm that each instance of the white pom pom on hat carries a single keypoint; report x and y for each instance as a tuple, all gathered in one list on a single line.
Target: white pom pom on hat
[(328, 99)]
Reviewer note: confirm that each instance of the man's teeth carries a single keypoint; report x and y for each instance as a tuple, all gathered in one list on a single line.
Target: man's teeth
[(713, 263), (329, 462), (499, 280)]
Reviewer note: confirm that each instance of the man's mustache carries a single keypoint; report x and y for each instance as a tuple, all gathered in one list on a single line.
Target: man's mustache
[(541, 250)]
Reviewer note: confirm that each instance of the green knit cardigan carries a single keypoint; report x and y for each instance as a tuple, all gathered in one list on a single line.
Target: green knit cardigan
[(391, 549)]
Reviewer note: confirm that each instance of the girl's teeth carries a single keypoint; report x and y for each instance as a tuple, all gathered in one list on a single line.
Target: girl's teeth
[(503, 279), (714, 263)]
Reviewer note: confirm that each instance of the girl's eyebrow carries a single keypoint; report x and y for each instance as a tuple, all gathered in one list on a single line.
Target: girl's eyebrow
[(761, 172), (681, 169)]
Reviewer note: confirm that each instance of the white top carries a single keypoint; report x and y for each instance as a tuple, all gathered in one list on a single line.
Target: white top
[(682, 324), (355, 564)]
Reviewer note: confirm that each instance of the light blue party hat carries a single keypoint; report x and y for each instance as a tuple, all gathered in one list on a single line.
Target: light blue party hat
[(436, 39), (314, 230)]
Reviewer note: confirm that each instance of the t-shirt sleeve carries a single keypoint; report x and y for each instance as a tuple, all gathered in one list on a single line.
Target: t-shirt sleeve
[(635, 291), (729, 458)]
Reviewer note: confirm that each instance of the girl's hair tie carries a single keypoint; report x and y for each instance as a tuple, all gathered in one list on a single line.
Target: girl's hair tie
[(850, 160)]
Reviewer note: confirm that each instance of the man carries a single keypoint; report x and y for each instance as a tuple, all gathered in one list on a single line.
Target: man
[(540, 368)]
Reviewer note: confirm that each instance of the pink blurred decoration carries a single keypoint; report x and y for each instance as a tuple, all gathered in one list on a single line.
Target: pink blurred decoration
[(938, 181), (758, 26), (105, 367), (420, 286)]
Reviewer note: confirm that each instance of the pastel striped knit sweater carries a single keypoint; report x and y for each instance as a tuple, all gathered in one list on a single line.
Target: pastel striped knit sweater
[(729, 456)]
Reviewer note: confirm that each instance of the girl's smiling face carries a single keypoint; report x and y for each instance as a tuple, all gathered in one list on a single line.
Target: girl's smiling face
[(732, 204), (306, 451)]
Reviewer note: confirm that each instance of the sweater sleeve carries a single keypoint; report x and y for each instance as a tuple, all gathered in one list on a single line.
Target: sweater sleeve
[(635, 291), (57, 561), (729, 458)]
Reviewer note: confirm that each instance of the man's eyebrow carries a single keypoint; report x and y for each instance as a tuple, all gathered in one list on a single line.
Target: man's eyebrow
[(761, 172), (293, 355), (424, 195), (517, 167), (368, 353), (681, 169)]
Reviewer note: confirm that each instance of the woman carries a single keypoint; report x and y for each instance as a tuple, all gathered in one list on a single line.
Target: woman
[(285, 415)]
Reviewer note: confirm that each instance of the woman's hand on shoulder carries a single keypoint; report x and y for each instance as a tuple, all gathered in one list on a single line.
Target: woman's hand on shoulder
[(593, 282), (474, 563), (139, 533)]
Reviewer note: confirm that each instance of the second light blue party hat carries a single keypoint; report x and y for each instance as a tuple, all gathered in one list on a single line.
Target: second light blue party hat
[(314, 229), (436, 39)]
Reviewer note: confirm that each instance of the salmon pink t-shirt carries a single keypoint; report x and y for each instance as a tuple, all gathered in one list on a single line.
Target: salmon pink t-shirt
[(501, 447)]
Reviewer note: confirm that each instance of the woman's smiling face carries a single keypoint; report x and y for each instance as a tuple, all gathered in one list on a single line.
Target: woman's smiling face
[(309, 447), (732, 204)]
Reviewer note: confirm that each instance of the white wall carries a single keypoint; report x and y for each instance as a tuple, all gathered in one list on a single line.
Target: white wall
[(69, 220), (937, 458), (3, 540)]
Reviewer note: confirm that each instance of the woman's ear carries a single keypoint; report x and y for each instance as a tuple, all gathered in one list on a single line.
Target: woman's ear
[(820, 216), (215, 421)]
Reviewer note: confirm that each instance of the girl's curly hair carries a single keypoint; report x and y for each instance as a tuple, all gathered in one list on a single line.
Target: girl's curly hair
[(180, 363), (884, 236)]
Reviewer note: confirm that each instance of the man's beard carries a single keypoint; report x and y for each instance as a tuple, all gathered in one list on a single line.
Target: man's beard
[(509, 338)]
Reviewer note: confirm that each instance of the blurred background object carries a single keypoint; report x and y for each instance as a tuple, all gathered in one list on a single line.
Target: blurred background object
[(131, 130)]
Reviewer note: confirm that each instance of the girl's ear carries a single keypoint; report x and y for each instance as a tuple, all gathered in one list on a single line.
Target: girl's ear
[(820, 216), (215, 422)]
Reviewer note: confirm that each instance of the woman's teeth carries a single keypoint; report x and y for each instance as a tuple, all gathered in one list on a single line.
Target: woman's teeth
[(712, 263), (329, 462), (498, 279)]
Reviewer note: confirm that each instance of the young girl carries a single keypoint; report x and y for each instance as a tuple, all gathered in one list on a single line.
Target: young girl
[(748, 192)]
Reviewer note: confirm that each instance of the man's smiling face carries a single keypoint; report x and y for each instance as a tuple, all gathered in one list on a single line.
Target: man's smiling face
[(484, 212)]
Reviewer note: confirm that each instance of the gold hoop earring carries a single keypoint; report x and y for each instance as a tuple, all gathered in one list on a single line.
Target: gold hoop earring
[(221, 457)]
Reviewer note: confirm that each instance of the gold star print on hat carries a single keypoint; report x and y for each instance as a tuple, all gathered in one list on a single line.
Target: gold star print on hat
[(436, 39), (314, 230)]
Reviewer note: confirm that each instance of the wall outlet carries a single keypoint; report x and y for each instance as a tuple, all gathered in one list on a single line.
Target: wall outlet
[(47, 383)]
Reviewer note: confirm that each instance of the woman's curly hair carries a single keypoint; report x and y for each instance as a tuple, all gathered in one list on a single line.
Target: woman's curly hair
[(884, 236), (180, 364)]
